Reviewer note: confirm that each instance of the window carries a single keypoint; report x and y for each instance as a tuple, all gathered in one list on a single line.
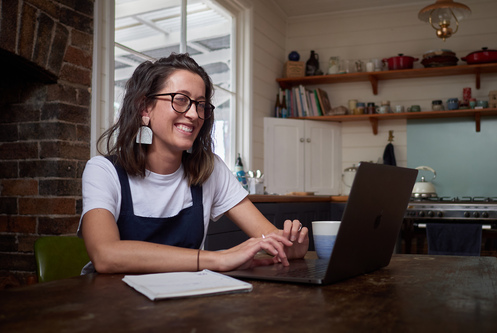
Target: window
[(148, 30)]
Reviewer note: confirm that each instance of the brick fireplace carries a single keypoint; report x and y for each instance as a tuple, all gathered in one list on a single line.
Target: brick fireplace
[(46, 60)]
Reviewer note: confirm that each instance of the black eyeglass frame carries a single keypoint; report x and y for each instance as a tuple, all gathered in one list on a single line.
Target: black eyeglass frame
[(192, 101)]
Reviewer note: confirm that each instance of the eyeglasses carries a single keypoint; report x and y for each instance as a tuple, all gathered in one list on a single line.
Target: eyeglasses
[(182, 103)]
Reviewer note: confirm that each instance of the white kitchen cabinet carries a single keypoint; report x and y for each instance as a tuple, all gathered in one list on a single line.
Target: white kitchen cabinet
[(302, 155)]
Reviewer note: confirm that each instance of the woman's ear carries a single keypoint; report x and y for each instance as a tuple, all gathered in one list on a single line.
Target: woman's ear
[(145, 108)]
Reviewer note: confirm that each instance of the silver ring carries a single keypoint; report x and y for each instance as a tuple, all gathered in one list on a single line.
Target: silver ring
[(263, 236), (300, 227)]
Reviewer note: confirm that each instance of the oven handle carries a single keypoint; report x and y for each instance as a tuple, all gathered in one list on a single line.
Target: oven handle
[(423, 226)]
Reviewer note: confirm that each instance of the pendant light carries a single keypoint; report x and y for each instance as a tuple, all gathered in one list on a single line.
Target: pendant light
[(442, 13)]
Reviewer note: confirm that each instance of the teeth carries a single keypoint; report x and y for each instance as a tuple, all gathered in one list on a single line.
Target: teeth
[(185, 128)]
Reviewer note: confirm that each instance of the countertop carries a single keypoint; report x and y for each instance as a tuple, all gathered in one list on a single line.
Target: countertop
[(296, 198)]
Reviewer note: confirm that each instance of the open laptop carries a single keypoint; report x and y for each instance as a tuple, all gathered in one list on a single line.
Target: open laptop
[(367, 236)]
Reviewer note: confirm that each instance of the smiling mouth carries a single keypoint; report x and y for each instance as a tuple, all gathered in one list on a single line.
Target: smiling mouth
[(184, 128)]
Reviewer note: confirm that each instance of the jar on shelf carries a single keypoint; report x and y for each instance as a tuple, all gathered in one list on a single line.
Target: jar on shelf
[(334, 65), (437, 105), (352, 105), (360, 108), (370, 108), (453, 103)]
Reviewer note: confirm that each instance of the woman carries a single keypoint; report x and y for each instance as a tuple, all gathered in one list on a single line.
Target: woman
[(147, 204)]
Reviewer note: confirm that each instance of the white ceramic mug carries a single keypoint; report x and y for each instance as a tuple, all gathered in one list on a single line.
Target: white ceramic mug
[(399, 108), (324, 234)]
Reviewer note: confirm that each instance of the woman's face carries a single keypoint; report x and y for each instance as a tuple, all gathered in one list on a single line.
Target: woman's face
[(175, 132)]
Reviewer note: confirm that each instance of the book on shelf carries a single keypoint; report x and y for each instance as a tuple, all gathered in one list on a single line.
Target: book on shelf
[(304, 102), (318, 104), (312, 103), (324, 101), (298, 103)]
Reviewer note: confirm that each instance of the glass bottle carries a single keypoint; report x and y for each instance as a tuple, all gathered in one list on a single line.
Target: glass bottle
[(240, 173), (277, 107), (284, 108), (312, 65)]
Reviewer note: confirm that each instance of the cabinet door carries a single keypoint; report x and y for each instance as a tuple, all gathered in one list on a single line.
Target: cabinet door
[(323, 157), (284, 141), (302, 155)]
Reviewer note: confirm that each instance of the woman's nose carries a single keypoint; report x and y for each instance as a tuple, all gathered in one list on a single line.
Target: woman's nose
[(192, 112)]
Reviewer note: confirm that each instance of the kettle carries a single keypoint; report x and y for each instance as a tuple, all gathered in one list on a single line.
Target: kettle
[(424, 189), (348, 178)]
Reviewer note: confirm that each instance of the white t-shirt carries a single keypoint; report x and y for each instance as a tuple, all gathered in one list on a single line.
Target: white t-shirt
[(158, 195)]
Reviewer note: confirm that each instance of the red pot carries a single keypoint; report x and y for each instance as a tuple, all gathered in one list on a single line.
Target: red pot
[(481, 57), (400, 62)]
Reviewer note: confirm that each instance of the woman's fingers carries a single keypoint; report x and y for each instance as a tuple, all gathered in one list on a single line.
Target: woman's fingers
[(292, 229), (274, 245)]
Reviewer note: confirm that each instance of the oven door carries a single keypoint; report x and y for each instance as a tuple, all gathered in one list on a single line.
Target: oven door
[(413, 237)]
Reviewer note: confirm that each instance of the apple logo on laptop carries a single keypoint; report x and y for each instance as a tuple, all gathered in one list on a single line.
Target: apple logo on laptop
[(377, 220)]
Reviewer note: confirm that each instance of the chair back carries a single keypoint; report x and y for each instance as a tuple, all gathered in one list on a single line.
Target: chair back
[(59, 257)]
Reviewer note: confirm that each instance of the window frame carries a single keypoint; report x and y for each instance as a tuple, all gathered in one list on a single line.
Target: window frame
[(102, 104)]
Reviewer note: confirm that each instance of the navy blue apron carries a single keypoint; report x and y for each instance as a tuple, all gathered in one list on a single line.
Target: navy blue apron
[(184, 230)]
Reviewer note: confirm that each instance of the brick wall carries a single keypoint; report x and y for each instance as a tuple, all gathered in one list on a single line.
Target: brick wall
[(46, 56)]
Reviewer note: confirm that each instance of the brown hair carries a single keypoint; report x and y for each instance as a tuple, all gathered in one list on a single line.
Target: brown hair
[(147, 79)]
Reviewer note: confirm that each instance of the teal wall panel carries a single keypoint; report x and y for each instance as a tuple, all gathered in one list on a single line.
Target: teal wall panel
[(465, 160)]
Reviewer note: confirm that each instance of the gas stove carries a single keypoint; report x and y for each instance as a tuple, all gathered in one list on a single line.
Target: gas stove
[(422, 214), (476, 209)]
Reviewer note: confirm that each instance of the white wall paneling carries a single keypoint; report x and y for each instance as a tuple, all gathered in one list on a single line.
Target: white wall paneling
[(365, 34)]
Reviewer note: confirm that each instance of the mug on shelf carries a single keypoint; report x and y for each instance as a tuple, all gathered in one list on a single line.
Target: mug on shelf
[(472, 103), (384, 109)]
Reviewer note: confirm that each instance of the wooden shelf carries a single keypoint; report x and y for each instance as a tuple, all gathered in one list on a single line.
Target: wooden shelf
[(375, 77), (375, 118)]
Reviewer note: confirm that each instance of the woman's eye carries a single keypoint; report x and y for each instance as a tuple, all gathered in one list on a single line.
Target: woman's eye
[(181, 99)]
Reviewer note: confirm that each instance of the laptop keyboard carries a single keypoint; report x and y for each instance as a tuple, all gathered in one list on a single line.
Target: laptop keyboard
[(315, 268)]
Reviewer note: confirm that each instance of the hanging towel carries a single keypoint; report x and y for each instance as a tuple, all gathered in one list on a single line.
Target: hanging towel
[(455, 239), (389, 155)]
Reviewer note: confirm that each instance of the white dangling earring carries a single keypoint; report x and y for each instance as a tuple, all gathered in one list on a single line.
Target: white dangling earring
[(144, 135), (189, 151)]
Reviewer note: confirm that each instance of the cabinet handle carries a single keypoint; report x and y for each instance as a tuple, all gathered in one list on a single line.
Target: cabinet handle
[(308, 139), (301, 139)]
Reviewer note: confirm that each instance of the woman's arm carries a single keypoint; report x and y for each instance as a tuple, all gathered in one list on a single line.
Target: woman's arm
[(109, 254)]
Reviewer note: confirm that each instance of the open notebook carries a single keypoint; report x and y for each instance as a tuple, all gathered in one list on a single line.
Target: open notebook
[(185, 284)]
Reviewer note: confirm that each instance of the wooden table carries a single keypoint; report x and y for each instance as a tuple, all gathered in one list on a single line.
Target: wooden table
[(413, 294)]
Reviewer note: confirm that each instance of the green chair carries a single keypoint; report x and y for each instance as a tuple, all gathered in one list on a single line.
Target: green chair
[(59, 257)]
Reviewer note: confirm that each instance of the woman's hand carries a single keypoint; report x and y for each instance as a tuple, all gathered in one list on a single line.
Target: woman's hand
[(298, 235), (242, 256)]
